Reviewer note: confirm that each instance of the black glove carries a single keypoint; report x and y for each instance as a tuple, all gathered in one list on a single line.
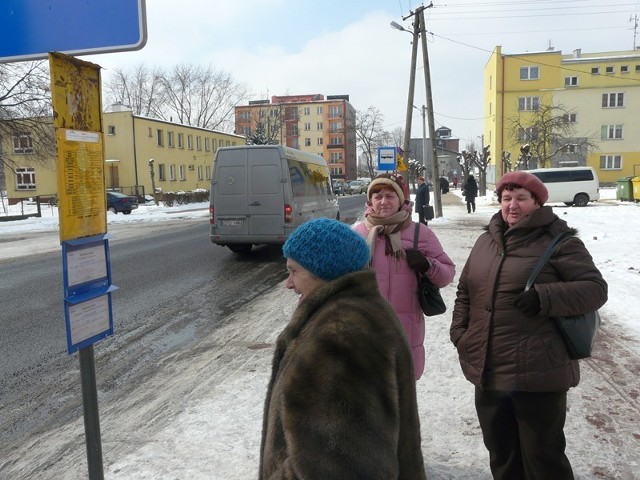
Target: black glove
[(417, 261), (528, 302)]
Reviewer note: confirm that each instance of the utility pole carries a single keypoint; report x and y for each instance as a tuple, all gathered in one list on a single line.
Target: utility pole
[(412, 86), (435, 173)]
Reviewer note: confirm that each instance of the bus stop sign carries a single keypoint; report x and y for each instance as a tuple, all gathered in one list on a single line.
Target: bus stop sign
[(30, 29)]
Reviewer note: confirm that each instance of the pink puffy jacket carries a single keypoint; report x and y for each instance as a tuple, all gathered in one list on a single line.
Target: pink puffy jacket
[(398, 284)]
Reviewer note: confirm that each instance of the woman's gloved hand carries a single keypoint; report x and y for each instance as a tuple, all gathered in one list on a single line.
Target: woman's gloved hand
[(528, 302), (417, 261)]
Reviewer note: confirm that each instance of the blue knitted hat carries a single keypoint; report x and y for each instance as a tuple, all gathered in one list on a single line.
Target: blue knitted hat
[(327, 248)]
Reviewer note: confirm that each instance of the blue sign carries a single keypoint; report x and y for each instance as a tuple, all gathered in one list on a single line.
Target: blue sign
[(387, 158), (30, 29)]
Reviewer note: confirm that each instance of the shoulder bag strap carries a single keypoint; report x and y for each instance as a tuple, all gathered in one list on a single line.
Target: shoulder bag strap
[(544, 258), (416, 236)]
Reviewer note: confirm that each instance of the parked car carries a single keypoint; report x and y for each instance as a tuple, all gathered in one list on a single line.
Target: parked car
[(119, 202), (356, 186), (338, 187)]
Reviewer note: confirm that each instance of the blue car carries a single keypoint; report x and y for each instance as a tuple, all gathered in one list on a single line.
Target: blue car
[(119, 202)]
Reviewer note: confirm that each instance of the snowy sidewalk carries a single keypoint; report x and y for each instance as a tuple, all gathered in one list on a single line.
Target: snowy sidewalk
[(200, 415)]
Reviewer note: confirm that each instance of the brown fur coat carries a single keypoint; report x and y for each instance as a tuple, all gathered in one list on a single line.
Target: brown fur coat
[(341, 403)]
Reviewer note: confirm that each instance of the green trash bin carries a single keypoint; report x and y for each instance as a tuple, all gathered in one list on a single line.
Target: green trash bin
[(636, 189), (624, 189)]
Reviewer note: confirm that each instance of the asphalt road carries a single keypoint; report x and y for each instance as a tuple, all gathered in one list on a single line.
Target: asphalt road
[(174, 287)]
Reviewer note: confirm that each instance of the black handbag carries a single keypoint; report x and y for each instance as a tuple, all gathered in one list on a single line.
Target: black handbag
[(428, 212), (429, 296), (579, 331)]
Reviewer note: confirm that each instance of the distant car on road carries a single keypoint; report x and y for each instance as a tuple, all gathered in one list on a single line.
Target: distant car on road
[(338, 187), (119, 202), (356, 186)]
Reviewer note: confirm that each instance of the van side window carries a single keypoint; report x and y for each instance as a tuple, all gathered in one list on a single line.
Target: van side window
[(308, 179)]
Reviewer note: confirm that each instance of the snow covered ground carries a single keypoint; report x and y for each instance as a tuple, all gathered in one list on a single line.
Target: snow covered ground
[(199, 416)]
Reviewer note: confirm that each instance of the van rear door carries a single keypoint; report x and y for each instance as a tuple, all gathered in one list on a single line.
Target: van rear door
[(266, 192)]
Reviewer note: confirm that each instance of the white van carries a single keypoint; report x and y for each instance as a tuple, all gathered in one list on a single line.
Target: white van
[(261, 193), (570, 185)]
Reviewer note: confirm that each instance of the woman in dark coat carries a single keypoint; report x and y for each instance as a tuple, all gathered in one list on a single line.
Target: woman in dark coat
[(341, 403), (470, 192), (508, 345)]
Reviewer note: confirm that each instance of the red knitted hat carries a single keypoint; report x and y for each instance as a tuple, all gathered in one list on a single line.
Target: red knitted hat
[(526, 180)]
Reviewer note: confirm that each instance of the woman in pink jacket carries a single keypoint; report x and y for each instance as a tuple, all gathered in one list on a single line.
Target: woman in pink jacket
[(389, 231)]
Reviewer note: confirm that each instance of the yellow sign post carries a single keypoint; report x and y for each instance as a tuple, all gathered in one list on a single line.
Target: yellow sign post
[(75, 91)]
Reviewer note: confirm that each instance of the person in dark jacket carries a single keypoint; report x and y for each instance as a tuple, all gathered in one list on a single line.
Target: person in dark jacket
[(508, 345), (341, 402), (470, 192), (422, 201)]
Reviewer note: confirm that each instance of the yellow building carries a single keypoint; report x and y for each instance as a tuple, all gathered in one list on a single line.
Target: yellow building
[(309, 123), (600, 93), (182, 157)]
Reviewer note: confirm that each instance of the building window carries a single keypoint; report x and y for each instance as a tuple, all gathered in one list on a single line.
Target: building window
[(320, 141), (293, 130), (319, 110), (335, 111), (190, 142), (570, 117), (610, 162), (150, 132), (181, 140), (319, 126), (307, 142), (571, 148), (307, 127), (336, 157), (637, 68), (612, 100), (335, 141), (199, 143), (25, 178), (22, 143), (570, 81), (159, 138), (528, 103), (199, 170), (611, 132), (162, 174), (246, 131), (183, 172), (111, 130), (207, 172), (336, 170), (207, 144), (527, 134), (595, 70), (624, 69), (307, 110), (170, 142), (608, 70), (172, 172), (245, 116), (529, 73), (335, 127)]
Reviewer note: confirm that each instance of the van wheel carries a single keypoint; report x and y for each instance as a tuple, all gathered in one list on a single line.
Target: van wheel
[(568, 204), (581, 200), (240, 247)]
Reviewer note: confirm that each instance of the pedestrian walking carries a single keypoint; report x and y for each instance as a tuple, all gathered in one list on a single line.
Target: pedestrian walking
[(422, 201), (389, 231), (341, 402), (470, 192), (508, 344)]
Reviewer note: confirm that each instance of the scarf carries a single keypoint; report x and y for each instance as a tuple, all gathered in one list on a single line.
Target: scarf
[(391, 227)]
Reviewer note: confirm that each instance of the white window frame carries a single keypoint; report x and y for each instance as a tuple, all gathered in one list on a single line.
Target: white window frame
[(624, 68), (111, 130), (172, 173), (609, 70), (613, 100), (320, 141), (571, 81), (180, 140), (25, 178), (611, 132), (207, 144), (22, 143), (608, 162), (528, 104), (161, 172), (182, 171), (530, 72), (595, 70), (570, 117), (170, 140)]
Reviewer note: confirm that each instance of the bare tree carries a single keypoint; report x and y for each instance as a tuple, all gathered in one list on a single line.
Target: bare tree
[(201, 96), (545, 133), (268, 120), (26, 111), (370, 136), (140, 89)]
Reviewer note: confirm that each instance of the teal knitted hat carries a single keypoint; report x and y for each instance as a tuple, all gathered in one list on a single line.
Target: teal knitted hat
[(327, 248)]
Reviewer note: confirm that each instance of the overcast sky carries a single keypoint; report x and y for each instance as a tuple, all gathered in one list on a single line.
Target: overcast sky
[(280, 47)]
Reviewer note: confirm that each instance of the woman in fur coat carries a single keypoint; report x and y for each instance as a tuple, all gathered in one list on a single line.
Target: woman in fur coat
[(341, 402)]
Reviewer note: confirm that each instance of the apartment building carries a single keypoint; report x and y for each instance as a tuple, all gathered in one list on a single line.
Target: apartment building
[(599, 93), (311, 123), (182, 157)]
